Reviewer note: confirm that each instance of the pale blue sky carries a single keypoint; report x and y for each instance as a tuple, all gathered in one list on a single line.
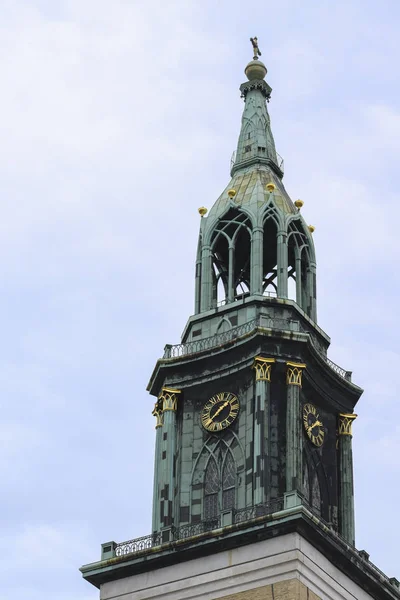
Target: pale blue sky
[(117, 121)]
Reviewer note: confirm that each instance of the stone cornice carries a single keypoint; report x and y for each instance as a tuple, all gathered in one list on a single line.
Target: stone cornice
[(256, 84)]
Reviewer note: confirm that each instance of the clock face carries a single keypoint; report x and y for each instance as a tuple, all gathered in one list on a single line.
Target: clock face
[(313, 424), (220, 411)]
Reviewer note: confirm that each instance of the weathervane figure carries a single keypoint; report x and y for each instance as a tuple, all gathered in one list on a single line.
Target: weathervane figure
[(256, 49)]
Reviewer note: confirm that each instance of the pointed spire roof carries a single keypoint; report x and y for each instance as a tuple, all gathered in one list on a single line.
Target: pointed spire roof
[(256, 144)]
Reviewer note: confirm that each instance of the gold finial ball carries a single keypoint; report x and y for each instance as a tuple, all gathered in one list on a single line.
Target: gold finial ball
[(270, 186), (298, 204), (255, 70), (231, 193), (311, 228), (202, 211)]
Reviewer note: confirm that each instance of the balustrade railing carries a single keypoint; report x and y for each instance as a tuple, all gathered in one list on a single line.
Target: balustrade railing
[(138, 545), (235, 333), (240, 516), (193, 529)]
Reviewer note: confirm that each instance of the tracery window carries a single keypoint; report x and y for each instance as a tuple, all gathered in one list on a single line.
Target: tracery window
[(219, 486), (316, 495), (211, 490), (228, 483)]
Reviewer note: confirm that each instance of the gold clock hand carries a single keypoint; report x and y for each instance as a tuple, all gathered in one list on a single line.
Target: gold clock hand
[(221, 408)]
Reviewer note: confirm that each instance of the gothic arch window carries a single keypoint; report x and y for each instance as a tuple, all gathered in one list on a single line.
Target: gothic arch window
[(316, 495), (219, 484), (228, 482), (301, 279), (270, 257), (231, 251), (211, 490), (224, 325), (306, 482)]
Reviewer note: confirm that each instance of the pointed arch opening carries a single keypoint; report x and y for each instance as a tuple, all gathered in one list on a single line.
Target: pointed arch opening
[(231, 252), (301, 269), (315, 499), (241, 266), (291, 272), (211, 490), (228, 482), (306, 479), (270, 257)]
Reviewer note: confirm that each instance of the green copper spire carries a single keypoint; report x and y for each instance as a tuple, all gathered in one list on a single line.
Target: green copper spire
[(256, 144), (254, 241)]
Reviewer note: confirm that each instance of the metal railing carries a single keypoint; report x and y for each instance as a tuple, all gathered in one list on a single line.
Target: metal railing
[(240, 516), (243, 515), (281, 162), (232, 335), (342, 372), (139, 544), (271, 154), (194, 529), (208, 343)]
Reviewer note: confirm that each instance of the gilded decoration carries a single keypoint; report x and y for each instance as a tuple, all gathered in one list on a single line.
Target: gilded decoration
[(345, 423), (294, 373), (157, 413), (169, 399), (262, 367)]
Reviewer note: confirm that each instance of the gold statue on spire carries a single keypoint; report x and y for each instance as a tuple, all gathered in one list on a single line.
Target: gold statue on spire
[(256, 49)]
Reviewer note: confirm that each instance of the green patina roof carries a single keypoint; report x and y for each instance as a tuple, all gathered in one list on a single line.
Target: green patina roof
[(251, 193), (256, 162)]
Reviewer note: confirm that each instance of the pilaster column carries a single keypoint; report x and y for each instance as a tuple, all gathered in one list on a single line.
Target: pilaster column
[(299, 298), (282, 253), (346, 486), (312, 286), (206, 278), (256, 271), (169, 403), (197, 289), (231, 273), (157, 413), (294, 373), (262, 367)]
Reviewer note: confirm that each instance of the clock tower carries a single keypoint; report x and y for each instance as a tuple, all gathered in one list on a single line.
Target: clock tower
[(253, 477)]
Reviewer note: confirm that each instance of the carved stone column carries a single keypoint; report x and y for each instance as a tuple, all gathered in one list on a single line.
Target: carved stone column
[(346, 485), (206, 279), (262, 367), (256, 273), (168, 400), (294, 451), (299, 279), (282, 253), (157, 413), (231, 274)]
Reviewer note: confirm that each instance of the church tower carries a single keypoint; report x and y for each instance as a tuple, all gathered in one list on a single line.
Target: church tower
[(253, 477)]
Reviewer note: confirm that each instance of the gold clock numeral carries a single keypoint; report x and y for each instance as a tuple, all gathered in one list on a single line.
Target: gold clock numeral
[(314, 429), (214, 414)]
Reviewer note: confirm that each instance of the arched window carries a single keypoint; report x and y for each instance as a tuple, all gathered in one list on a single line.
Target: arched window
[(228, 483), (231, 252), (306, 483), (270, 257), (316, 495), (211, 490), (219, 485)]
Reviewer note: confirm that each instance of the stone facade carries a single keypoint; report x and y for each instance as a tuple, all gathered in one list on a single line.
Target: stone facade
[(284, 568), (292, 589)]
